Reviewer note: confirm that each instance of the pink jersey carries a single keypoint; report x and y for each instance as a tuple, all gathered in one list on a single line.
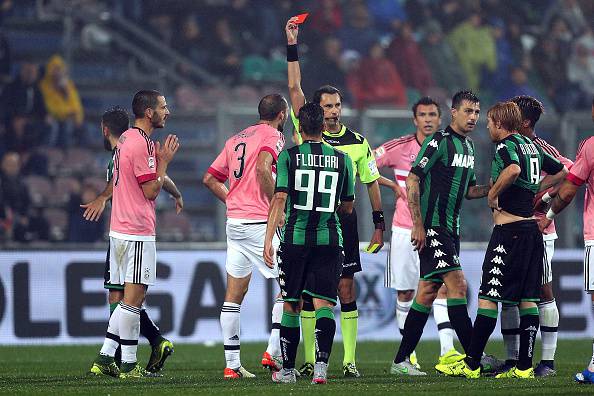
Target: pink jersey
[(550, 232), (399, 154), (582, 172), (132, 215), (237, 162)]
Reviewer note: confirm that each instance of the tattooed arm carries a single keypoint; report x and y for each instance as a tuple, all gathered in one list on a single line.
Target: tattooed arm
[(475, 192), (414, 204)]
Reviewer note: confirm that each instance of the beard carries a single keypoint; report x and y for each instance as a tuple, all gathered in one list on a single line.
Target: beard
[(107, 144), (157, 122)]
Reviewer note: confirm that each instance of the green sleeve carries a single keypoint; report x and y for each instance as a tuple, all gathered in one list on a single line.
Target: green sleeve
[(296, 126), (282, 172), (429, 154), (366, 166), (348, 186)]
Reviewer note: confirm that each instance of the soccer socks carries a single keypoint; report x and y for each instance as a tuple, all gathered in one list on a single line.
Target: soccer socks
[(413, 329), (325, 329), (129, 327), (289, 338), (510, 329), (230, 329), (444, 327), (549, 325), (148, 328), (308, 325), (112, 336), (460, 320), (274, 340), (484, 324), (529, 321), (402, 308), (349, 317)]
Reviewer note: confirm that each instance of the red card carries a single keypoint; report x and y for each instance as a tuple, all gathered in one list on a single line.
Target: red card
[(300, 18)]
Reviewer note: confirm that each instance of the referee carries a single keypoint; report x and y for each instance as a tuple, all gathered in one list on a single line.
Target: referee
[(356, 146)]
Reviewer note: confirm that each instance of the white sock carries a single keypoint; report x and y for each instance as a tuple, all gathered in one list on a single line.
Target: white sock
[(446, 331), (274, 339), (402, 308), (510, 329), (591, 365), (230, 327), (129, 321), (549, 324), (112, 337)]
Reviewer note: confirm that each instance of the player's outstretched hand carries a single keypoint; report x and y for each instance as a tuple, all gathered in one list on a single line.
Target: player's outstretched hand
[(269, 254), (167, 150), (94, 209), (543, 224), (292, 30), (417, 237)]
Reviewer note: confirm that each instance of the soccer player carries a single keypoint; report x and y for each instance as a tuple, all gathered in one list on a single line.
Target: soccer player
[(440, 177), (512, 269), (356, 146), (247, 161), (140, 167), (531, 110), (402, 269), (114, 122), (312, 179), (582, 172)]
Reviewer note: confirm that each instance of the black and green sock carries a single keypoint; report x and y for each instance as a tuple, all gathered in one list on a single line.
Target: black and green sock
[(413, 329), (148, 329), (484, 325), (325, 330), (458, 314), (529, 321), (289, 338)]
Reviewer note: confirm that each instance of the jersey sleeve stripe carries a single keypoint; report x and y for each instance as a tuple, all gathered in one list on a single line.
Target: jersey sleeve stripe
[(271, 151), (145, 178), (574, 179), (218, 175)]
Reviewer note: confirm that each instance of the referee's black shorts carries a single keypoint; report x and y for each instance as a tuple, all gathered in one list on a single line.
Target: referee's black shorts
[(350, 243)]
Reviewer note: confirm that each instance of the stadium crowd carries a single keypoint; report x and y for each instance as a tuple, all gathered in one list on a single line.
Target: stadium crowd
[(380, 52)]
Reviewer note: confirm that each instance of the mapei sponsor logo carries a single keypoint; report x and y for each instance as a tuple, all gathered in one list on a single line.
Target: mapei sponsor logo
[(463, 161)]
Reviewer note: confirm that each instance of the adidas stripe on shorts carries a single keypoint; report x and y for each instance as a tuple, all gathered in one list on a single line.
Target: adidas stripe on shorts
[(132, 261), (589, 267)]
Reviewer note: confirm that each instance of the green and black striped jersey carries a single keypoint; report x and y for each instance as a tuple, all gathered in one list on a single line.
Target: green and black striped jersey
[(110, 167), (445, 165), (316, 177), (518, 198)]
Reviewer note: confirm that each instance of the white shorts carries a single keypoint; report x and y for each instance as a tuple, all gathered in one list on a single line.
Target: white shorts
[(589, 267), (547, 269), (403, 267), (245, 247), (132, 261)]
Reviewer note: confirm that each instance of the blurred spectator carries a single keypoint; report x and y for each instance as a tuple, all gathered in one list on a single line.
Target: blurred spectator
[(387, 14), (474, 45), (225, 51), (5, 60), (252, 25), (516, 85), (359, 33), (62, 102), (559, 31), (570, 12), (376, 81), (80, 230), (326, 18), (406, 54), (418, 11), (23, 97), (326, 66), (450, 14), (441, 58), (580, 71), (162, 26), (191, 42), (495, 81)]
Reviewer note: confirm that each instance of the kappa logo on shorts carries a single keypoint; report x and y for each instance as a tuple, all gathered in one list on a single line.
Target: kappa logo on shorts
[(442, 264), (435, 243), (438, 253), (500, 249), (496, 271), (494, 282), (497, 260), (281, 272), (431, 232), (493, 293), (281, 281), (283, 293)]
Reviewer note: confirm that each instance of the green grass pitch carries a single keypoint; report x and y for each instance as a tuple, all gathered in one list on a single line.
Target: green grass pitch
[(197, 369)]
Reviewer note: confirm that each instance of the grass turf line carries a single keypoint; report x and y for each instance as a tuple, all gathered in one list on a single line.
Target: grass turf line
[(197, 369)]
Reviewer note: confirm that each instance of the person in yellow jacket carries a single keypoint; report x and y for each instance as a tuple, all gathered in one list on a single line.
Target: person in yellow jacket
[(61, 96)]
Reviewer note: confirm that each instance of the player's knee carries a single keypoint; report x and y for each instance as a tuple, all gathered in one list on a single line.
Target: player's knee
[(115, 296), (527, 305), (426, 294), (346, 290), (292, 307)]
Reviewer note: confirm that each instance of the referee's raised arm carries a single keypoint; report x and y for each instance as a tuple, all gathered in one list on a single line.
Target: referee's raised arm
[(296, 95)]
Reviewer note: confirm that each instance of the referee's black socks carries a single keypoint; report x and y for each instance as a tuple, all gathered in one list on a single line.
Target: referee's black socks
[(413, 329), (458, 313)]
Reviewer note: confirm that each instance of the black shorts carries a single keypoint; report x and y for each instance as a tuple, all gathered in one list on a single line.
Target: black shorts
[(106, 283), (512, 270), (440, 254), (350, 241), (309, 270)]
